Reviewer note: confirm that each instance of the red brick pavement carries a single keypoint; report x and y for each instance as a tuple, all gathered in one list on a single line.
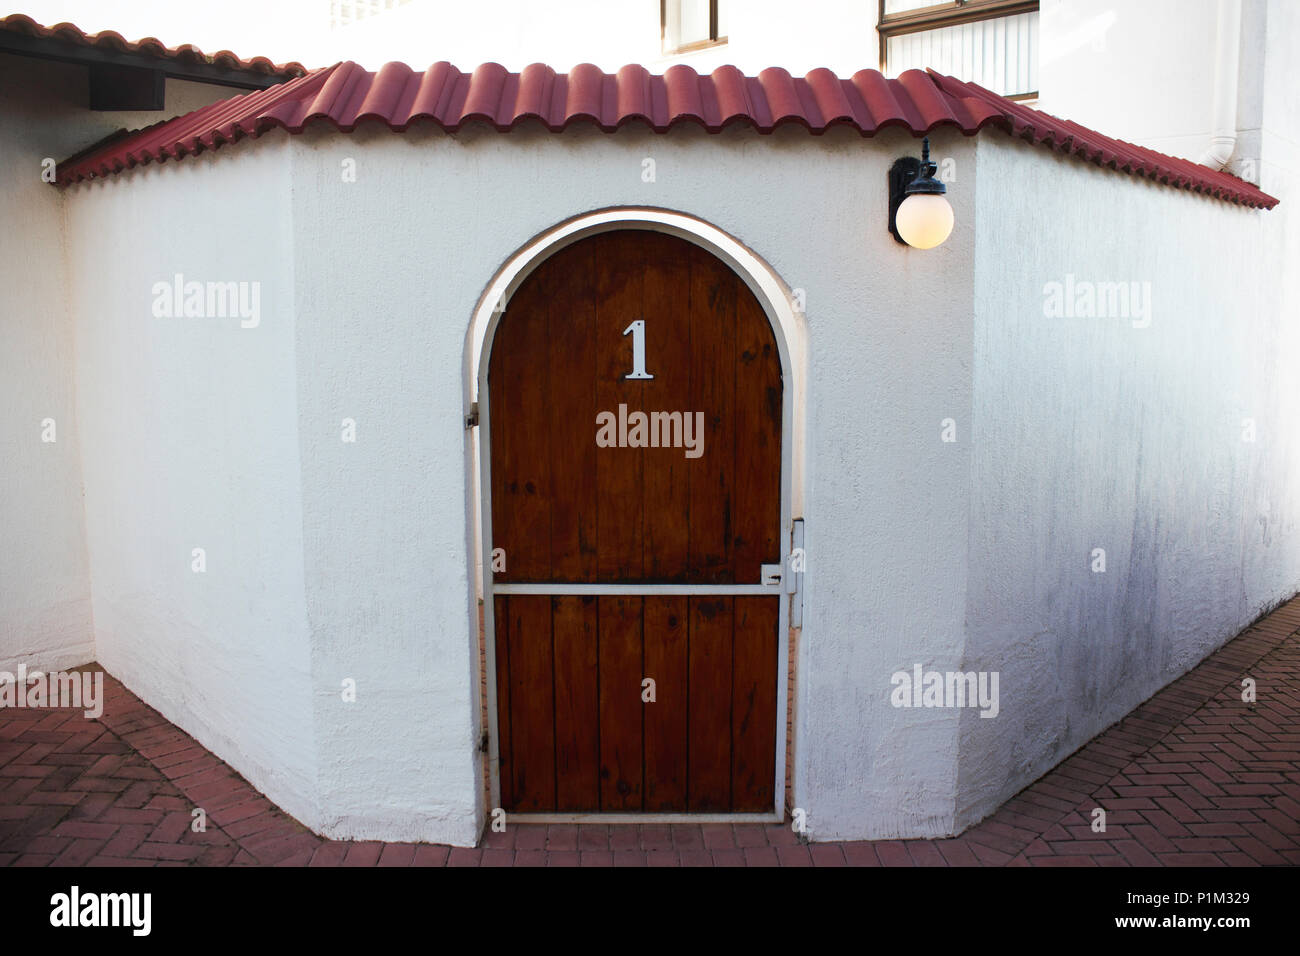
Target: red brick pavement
[(1192, 777)]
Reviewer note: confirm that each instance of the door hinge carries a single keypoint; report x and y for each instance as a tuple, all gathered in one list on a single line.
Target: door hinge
[(471, 420), (483, 743)]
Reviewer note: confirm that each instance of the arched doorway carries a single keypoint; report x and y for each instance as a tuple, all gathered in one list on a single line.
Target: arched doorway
[(635, 442)]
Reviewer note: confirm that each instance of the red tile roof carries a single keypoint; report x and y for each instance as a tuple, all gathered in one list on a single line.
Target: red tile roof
[(1075, 140), (108, 40), (346, 94)]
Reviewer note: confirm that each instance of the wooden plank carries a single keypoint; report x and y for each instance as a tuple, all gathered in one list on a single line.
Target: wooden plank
[(501, 627), (758, 441), (521, 518), (666, 738), (532, 706), (709, 767), (620, 273), (668, 349), (574, 732), (753, 728), (568, 285), (621, 710), (713, 391), (577, 705)]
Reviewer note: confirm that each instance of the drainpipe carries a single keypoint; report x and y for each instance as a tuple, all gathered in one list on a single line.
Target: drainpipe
[(1226, 69)]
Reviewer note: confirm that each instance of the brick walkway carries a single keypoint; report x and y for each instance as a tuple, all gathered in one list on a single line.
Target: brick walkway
[(1192, 777)]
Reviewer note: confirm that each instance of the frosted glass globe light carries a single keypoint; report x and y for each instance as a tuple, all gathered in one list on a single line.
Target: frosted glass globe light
[(924, 220)]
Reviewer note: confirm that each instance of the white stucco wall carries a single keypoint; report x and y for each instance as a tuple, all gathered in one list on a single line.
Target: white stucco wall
[(189, 440), (389, 271), (1271, 136), (45, 607), (329, 561), (1145, 71), (333, 561), (1200, 528), (1093, 433)]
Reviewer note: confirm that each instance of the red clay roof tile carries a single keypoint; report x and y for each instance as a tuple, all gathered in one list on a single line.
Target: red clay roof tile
[(109, 40), (346, 94), (1072, 139)]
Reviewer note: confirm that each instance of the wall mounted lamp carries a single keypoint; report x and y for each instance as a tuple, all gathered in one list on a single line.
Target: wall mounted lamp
[(919, 215)]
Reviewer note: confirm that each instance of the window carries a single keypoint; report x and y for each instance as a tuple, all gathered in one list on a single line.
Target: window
[(990, 42), (687, 25)]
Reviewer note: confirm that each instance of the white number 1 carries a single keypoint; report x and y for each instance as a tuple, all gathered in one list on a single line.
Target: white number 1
[(637, 329)]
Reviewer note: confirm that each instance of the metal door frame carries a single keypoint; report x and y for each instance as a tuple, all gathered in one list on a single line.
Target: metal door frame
[(494, 303)]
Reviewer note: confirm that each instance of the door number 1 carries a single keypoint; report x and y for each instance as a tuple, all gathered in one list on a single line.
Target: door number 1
[(637, 329)]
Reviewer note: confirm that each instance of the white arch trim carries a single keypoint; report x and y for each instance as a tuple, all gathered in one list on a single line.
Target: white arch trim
[(773, 295), (777, 302)]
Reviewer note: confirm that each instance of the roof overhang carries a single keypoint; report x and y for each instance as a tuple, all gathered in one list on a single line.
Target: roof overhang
[(346, 95), (131, 76), (49, 48)]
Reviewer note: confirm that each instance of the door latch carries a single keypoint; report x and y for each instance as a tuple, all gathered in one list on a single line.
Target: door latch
[(798, 558)]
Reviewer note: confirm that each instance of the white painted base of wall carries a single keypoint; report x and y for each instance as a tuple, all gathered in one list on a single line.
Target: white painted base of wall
[(49, 661), (443, 825)]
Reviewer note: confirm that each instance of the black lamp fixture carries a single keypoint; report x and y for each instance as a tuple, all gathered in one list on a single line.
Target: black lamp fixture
[(919, 215)]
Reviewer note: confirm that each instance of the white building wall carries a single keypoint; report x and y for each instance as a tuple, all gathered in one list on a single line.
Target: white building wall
[(1144, 71), (333, 561), (610, 33), (1270, 134), (189, 440), (389, 271), (45, 607), (1093, 433), (1109, 433)]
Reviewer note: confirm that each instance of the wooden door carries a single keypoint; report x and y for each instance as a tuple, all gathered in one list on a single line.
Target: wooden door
[(589, 499)]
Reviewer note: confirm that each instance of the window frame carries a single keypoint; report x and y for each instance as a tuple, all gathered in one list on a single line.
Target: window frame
[(695, 45), (949, 14)]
